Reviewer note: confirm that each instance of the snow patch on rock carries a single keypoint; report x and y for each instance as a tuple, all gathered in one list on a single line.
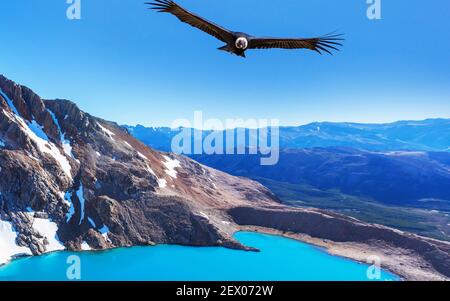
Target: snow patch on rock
[(85, 246), (37, 130), (8, 246), (10, 103), (80, 195), (68, 200), (170, 165), (91, 221), (150, 170), (38, 136), (104, 231), (405, 153), (162, 183), (65, 142), (48, 229), (204, 215), (46, 146), (108, 133), (34, 158)]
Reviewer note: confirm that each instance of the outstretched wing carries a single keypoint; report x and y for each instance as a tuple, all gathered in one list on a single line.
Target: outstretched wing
[(325, 43), (168, 6)]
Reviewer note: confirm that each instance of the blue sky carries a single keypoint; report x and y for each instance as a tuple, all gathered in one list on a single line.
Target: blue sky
[(124, 63)]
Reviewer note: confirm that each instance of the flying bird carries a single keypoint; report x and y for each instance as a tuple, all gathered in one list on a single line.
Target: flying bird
[(238, 42)]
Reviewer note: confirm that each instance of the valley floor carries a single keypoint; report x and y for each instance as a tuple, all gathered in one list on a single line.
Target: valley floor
[(433, 223)]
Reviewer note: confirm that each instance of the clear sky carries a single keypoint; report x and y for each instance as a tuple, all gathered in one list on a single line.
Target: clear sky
[(124, 63)]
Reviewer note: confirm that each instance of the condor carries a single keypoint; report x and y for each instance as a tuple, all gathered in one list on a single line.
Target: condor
[(238, 42)]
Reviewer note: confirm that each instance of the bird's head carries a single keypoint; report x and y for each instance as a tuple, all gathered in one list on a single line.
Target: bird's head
[(241, 43)]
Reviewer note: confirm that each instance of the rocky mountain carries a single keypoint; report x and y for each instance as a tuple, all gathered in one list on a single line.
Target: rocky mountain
[(69, 180), (425, 135), (86, 181)]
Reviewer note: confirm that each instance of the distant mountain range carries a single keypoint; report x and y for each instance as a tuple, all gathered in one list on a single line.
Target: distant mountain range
[(397, 163), (394, 177), (425, 135)]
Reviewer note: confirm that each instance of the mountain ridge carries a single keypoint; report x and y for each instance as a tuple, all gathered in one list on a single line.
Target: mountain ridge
[(421, 135)]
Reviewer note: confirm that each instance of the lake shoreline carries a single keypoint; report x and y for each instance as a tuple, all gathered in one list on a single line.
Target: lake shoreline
[(277, 261), (404, 264)]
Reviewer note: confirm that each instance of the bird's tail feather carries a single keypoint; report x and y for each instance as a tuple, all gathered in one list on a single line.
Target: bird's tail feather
[(224, 48)]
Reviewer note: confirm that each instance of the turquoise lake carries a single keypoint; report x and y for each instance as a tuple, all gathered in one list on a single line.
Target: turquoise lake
[(280, 259)]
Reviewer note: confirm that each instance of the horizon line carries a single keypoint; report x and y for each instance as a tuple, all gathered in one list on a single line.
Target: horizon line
[(299, 125)]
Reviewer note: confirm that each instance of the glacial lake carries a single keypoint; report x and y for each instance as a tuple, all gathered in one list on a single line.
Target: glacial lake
[(280, 259)]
